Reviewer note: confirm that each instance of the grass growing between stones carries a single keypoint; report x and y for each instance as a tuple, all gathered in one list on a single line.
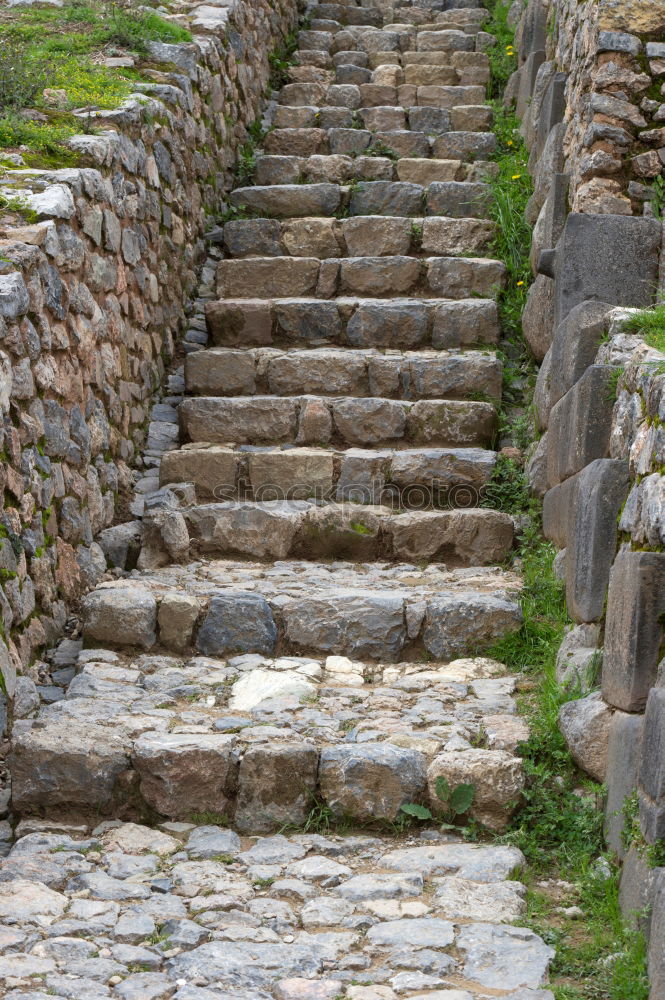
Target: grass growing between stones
[(649, 324), (60, 49)]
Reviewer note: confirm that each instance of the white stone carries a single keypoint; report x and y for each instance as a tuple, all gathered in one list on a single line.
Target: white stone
[(259, 685), (56, 200), (23, 900)]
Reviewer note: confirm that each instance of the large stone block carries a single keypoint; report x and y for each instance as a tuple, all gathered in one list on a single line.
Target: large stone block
[(652, 768), (267, 277), (558, 511), (579, 425), (657, 936), (239, 419), (288, 200), (121, 616), (398, 198), (237, 622), (575, 345), (538, 317), (213, 470), (371, 782), (182, 773), (608, 258), (66, 764), (276, 785), (636, 888), (585, 726), (459, 199), (602, 489), (497, 776), (634, 628), (623, 753), (457, 623), (352, 624)]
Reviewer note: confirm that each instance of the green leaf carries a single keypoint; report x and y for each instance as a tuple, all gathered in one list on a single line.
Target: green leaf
[(420, 812), (442, 789), (461, 798)]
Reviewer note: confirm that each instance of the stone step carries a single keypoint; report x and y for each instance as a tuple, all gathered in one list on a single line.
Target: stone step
[(370, 611), (312, 140), (447, 277), (428, 121), (346, 421), (272, 733), (300, 529), (415, 478), (383, 107), (360, 236), (343, 169), (452, 199), (347, 14), (359, 323), (329, 372)]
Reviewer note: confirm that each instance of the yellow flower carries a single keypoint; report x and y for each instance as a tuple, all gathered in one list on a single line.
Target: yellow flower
[(516, 177), (510, 142), (519, 283)]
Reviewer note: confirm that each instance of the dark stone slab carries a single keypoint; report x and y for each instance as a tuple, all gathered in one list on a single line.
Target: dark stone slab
[(652, 768), (579, 425), (609, 258), (459, 199), (538, 317), (552, 110), (533, 34), (623, 754), (602, 489), (633, 630), (575, 344), (558, 510), (237, 622), (657, 937)]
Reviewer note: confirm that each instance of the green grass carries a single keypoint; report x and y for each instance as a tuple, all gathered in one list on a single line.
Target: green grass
[(649, 324), (53, 48), (502, 56)]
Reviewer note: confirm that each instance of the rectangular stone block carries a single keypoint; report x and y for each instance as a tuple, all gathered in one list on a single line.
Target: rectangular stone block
[(238, 420), (558, 511), (609, 258), (579, 425), (213, 470), (459, 199), (575, 345), (652, 768), (634, 628), (268, 276), (602, 489), (244, 323), (623, 756)]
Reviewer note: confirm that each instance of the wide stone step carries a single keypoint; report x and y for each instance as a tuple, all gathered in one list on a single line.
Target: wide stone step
[(453, 199), (448, 277), (392, 101), (360, 236), (419, 478), (329, 372), (373, 611), (279, 529), (345, 421), (272, 734), (427, 120), (343, 169), (360, 323)]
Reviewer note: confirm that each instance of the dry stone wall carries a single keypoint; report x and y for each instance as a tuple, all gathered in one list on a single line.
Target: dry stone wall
[(94, 296), (589, 92)]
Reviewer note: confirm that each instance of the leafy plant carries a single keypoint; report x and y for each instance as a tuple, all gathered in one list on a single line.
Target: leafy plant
[(22, 78), (454, 802)]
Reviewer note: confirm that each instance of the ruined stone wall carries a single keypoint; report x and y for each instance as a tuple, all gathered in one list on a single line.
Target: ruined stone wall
[(588, 92), (93, 299)]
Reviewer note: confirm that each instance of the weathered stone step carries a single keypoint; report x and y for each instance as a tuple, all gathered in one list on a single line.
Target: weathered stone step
[(343, 169), (383, 123), (349, 14), (345, 420), (303, 135), (447, 277), (279, 529), (418, 478), (360, 236), (373, 611), (271, 733), (330, 372), (381, 106), (453, 199), (360, 323)]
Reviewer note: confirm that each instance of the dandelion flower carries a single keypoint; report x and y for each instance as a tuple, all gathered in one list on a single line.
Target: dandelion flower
[(516, 177), (519, 283)]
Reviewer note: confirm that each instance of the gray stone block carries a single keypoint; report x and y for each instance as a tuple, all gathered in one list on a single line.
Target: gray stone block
[(575, 344), (579, 426), (558, 509), (458, 199), (551, 219), (527, 80), (657, 937), (533, 33), (652, 768), (602, 488), (623, 753), (237, 622), (609, 258), (633, 630), (636, 889), (387, 198), (538, 316), (552, 110)]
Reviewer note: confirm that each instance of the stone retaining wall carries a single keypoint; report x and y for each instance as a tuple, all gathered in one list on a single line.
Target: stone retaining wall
[(596, 147), (94, 296)]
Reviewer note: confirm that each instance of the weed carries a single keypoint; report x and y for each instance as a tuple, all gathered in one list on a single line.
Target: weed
[(508, 489), (263, 883), (650, 325), (502, 56), (22, 79), (613, 380), (454, 802), (379, 148), (209, 819), (14, 203)]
